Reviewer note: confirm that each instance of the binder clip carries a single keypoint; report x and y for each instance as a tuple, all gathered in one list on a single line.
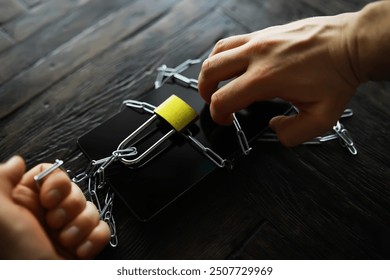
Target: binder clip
[(175, 112)]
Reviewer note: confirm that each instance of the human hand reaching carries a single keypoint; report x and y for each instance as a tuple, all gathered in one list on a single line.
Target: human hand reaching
[(307, 63)]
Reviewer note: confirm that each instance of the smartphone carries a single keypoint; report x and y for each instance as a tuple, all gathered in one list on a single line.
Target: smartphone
[(177, 165)]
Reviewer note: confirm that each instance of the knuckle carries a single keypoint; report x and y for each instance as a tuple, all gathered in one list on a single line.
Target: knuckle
[(206, 67), (219, 45), (261, 46), (59, 180), (218, 110), (216, 103), (210, 65)]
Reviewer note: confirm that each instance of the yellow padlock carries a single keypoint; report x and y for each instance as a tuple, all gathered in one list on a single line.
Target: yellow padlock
[(176, 112)]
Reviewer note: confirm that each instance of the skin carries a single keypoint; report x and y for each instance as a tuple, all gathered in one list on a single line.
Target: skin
[(316, 64), (54, 223)]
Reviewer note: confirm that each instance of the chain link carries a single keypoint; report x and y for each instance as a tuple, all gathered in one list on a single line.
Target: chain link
[(95, 173), (209, 153)]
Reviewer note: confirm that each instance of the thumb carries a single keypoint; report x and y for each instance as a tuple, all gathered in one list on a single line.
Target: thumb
[(296, 129), (11, 173)]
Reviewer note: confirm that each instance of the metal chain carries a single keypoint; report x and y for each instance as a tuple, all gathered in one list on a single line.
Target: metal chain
[(241, 137), (139, 105), (95, 174), (209, 153), (339, 133)]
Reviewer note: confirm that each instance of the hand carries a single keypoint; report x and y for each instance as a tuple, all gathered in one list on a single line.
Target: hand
[(306, 63), (55, 223)]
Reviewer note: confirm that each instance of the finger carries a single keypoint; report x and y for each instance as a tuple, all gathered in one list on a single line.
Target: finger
[(28, 177), (220, 67), (79, 228), (27, 198), (55, 188), (11, 173), (294, 130), (234, 96), (71, 206), (95, 242), (229, 43)]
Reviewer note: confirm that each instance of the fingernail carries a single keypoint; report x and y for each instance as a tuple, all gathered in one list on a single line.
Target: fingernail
[(59, 215), (70, 233), (85, 249), (54, 197)]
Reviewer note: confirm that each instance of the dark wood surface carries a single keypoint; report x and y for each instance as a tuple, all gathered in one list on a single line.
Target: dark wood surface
[(66, 65)]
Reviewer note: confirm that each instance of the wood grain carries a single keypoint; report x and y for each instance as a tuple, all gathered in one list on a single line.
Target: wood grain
[(46, 40), (9, 9), (5, 40), (75, 53), (66, 67)]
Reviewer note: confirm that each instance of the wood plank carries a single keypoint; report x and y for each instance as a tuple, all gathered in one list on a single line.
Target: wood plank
[(5, 41), (32, 3), (256, 15), (327, 212), (120, 73), (9, 9), (338, 232), (40, 17), (266, 243), (24, 55), (76, 52), (337, 7), (359, 213)]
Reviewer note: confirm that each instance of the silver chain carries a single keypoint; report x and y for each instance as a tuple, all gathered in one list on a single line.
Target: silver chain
[(339, 133), (209, 153), (95, 174)]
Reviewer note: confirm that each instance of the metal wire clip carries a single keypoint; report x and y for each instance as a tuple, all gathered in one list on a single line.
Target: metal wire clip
[(165, 73), (38, 178), (339, 132)]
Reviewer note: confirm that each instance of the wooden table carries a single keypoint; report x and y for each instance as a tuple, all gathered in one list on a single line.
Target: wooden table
[(66, 66)]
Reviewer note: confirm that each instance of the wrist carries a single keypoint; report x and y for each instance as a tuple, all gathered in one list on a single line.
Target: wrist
[(371, 41), (343, 51)]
